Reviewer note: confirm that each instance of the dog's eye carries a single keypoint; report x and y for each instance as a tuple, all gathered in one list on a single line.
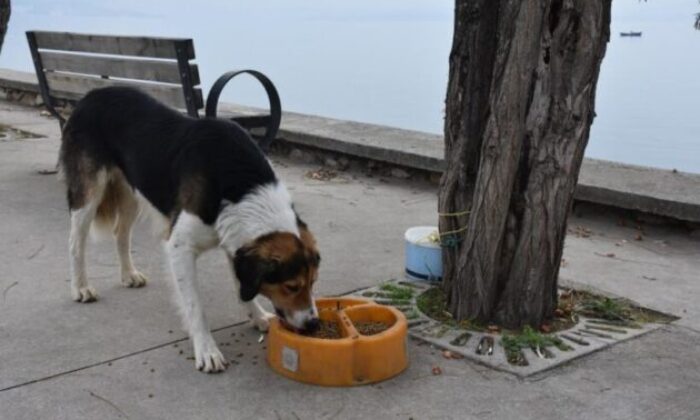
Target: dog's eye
[(315, 259), (291, 288)]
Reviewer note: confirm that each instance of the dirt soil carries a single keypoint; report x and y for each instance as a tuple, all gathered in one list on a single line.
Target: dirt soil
[(371, 327), (328, 330)]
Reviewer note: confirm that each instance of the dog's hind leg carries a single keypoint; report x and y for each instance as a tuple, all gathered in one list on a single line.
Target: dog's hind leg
[(127, 212), (84, 199)]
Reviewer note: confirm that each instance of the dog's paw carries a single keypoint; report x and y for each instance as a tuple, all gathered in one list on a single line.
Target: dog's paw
[(134, 279), (84, 294), (262, 322), (208, 358)]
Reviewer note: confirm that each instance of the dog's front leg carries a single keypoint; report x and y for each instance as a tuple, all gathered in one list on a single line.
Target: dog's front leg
[(258, 315), (182, 253)]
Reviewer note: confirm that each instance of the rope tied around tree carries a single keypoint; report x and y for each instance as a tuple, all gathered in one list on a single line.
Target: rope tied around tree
[(452, 238)]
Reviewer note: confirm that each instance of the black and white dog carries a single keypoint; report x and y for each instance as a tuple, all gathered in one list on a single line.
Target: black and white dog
[(208, 184)]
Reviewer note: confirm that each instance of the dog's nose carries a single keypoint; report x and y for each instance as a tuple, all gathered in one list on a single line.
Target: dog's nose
[(312, 325)]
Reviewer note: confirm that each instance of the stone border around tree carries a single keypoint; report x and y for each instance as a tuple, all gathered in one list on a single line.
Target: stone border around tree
[(440, 335)]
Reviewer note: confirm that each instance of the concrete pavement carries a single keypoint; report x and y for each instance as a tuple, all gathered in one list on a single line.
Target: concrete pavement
[(120, 357)]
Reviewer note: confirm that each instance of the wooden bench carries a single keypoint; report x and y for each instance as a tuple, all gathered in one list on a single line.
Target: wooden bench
[(68, 65)]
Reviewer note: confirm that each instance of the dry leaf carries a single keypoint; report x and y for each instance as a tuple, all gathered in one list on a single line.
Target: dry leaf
[(437, 370), (321, 174), (493, 328)]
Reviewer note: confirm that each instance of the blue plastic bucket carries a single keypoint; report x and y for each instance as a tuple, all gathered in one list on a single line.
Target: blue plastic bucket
[(423, 257)]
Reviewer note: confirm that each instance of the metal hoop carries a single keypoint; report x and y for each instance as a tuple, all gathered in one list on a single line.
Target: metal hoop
[(271, 122)]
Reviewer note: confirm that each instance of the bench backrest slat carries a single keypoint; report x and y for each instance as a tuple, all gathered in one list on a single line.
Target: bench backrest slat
[(73, 64), (153, 70), (116, 45), (76, 86)]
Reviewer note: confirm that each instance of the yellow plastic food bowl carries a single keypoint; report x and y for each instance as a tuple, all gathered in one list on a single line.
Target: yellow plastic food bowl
[(354, 359)]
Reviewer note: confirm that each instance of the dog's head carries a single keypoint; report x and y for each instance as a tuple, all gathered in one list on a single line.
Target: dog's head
[(283, 267)]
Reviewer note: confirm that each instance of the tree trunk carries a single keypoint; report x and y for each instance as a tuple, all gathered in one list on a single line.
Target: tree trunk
[(4, 19), (520, 102)]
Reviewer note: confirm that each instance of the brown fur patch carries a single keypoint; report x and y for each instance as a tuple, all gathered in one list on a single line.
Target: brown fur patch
[(80, 174), (280, 246), (284, 250), (308, 239), (286, 300), (117, 194), (192, 194)]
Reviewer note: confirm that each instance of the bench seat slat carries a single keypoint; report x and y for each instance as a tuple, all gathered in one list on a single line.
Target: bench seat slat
[(118, 45), (76, 86), (141, 69)]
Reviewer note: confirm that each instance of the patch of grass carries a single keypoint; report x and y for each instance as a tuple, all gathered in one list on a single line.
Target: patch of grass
[(513, 344), (572, 303), (606, 308), (528, 338), (432, 302), (395, 292), (617, 310), (411, 314)]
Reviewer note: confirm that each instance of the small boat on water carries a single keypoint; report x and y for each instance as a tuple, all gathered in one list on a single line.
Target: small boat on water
[(630, 34)]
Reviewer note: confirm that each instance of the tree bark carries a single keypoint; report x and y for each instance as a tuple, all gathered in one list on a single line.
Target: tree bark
[(5, 11), (520, 102)]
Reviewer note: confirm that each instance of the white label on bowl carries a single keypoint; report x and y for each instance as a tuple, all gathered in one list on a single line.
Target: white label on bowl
[(290, 359)]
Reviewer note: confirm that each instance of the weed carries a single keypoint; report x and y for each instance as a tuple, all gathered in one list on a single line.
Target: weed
[(432, 302), (513, 344), (395, 292)]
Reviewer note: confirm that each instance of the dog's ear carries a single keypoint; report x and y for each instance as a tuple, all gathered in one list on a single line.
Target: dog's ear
[(251, 270), (309, 242)]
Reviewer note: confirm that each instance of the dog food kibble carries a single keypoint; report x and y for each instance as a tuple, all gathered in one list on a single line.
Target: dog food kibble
[(327, 329), (370, 327)]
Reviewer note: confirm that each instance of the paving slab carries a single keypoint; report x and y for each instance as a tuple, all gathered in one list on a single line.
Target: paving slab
[(661, 271), (656, 376), (36, 303), (59, 359), (38, 320), (484, 347)]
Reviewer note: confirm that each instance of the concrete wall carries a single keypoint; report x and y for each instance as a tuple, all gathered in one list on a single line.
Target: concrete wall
[(406, 153)]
